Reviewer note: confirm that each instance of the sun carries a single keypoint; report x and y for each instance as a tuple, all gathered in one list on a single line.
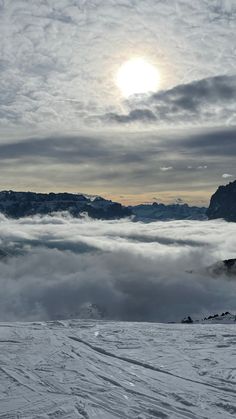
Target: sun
[(137, 76)]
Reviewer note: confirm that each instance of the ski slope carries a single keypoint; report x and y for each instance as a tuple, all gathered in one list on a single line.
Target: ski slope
[(103, 370)]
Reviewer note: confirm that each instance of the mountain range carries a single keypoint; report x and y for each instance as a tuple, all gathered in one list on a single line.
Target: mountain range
[(21, 204)]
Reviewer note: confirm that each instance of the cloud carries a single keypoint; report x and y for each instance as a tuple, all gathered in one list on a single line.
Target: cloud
[(226, 175), (122, 164), (59, 60), (179, 201), (143, 115), (166, 168), (210, 142), (210, 101), (52, 266)]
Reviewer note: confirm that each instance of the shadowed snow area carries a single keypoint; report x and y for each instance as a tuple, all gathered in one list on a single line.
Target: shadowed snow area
[(55, 267), (104, 370)]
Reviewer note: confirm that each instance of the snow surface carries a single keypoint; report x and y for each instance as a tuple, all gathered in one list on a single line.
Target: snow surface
[(104, 370)]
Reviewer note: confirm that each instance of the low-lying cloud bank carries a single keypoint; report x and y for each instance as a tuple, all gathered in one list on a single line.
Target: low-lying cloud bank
[(53, 266)]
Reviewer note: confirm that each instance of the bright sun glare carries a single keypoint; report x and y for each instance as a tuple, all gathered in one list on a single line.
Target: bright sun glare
[(137, 76)]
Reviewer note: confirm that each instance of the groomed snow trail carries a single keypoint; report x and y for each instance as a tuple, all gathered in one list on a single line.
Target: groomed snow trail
[(104, 370)]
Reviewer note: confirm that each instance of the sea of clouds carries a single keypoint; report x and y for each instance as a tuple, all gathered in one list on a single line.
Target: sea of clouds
[(54, 266)]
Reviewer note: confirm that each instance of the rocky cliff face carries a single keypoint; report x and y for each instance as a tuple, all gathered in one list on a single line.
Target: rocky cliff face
[(21, 204), (223, 203)]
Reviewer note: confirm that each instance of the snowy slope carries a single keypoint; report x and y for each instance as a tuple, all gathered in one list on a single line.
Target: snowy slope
[(104, 370)]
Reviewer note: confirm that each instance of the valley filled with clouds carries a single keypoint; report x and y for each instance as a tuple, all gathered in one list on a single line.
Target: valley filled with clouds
[(55, 266)]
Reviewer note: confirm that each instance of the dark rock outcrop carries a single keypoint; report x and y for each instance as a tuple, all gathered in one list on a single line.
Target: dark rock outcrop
[(223, 318), (230, 265), (223, 203), (21, 204), (187, 320), (224, 267)]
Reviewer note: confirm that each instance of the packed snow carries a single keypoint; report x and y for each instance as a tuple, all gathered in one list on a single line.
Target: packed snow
[(105, 370)]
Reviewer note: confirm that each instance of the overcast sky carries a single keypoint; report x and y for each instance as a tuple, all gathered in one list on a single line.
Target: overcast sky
[(64, 124)]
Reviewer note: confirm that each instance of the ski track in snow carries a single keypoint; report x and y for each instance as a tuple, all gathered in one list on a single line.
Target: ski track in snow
[(96, 369)]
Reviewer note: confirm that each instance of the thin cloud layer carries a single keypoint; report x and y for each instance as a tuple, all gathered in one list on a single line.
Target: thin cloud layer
[(53, 266), (186, 164), (226, 175)]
